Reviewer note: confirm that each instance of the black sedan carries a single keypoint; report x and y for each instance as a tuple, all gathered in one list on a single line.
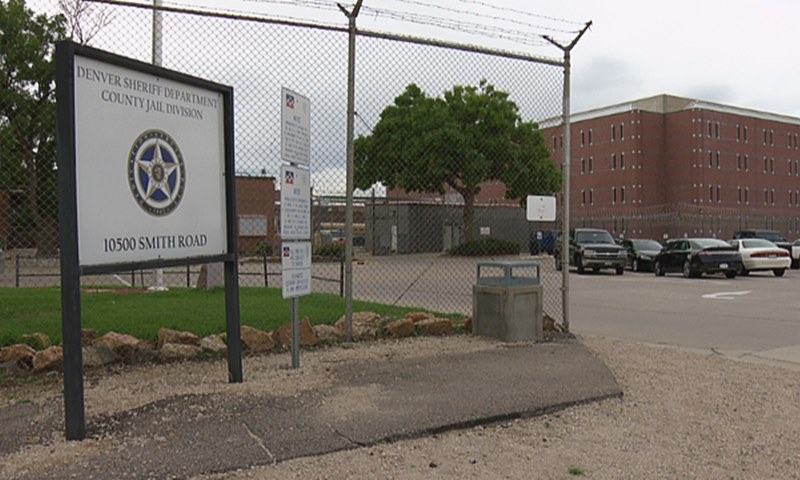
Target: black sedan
[(641, 253), (696, 256)]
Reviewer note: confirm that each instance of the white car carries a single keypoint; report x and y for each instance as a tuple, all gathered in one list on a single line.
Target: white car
[(759, 254), (796, 254)]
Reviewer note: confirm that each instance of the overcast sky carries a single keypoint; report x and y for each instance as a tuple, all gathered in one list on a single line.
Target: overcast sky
[(730, 51)]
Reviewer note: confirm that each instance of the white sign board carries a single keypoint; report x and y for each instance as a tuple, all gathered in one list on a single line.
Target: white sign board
[(540, 209), (295, 203), (296, 269), (295, 128), (150, 166)]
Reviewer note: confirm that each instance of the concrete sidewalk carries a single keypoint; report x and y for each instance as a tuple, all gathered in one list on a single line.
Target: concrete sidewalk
[(371, 402)]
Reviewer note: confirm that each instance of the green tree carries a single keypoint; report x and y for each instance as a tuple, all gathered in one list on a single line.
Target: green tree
[(471, 135), (27, 119)]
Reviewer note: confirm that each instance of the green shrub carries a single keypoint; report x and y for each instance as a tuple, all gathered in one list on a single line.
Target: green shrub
[(330, 250), (264, 249), (486, 246)]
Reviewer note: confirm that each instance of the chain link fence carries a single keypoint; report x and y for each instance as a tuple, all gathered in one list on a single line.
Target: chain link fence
[(403, 234)]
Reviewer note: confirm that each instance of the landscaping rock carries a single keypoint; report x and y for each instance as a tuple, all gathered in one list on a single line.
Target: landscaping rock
[(178, 351), (98, 355), (420, 316), (403, 327), (38, 340), (167, 335), (144, 354), (308, 337), (88, 336), (47, 359), (214, 344), (123, 345), (550, 325), (14, 368), (435, 327), (328, 334), (256, 340), (365, 325), (19, 353)]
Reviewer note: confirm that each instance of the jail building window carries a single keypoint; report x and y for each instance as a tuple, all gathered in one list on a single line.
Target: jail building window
[(613, 161), (613, 132), (745, 134), (738, 132), (716, 129)]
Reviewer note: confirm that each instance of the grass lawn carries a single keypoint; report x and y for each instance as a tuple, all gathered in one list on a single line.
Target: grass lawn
[(29, 310)]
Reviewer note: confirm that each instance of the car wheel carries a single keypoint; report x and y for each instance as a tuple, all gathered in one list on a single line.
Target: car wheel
[(635, 265), (743, 272), (579, 264), (658, 269), (730, 274), (779, 272), (620, 271), (688, 272), (795, 263)]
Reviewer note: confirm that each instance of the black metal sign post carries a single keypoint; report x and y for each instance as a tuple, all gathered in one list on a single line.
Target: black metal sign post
[(119, 85)]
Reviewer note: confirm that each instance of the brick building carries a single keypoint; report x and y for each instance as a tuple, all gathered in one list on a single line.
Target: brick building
[(667, 166), (255, 211)]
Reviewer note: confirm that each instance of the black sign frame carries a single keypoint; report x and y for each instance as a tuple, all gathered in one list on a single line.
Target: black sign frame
[(71, 270)]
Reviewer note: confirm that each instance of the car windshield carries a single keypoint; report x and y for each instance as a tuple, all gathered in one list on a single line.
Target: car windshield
[(710, 242), (593, 237), (646, 245), (757, 243)]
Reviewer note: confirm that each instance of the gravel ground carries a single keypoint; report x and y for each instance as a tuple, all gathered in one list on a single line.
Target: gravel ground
[(684, 415)]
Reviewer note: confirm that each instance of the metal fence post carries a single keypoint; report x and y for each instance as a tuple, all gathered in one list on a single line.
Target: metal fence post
[(566, 174), (348, 245)]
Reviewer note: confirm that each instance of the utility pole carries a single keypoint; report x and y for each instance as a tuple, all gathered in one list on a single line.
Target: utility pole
[(567, 49)]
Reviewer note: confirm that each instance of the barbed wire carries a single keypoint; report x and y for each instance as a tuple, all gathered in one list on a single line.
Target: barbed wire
[(490, 17), (522, 12), (530, 38), (519, 36)]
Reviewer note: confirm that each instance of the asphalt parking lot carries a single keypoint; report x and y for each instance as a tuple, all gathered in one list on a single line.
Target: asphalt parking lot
[(753, 315)]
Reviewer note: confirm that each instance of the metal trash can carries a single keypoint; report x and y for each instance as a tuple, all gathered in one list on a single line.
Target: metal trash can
[(508, 307)]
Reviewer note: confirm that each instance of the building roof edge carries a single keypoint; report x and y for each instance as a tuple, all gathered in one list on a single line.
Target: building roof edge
[(664, 104)]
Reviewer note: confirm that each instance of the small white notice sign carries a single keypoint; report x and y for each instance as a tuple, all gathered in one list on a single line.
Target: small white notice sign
[(296, 269), (295, 203), (295, 128), (540, 209)]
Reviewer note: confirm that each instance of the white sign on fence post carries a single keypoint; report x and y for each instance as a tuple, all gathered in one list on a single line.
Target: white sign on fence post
[(295, 128), (296, 269), (295, 205), (540, 209)]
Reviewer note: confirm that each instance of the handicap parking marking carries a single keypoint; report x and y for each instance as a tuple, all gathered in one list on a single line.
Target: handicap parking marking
[(726, 295)]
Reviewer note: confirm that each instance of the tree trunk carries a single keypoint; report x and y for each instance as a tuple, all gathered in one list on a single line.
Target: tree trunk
[(469, 215)]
